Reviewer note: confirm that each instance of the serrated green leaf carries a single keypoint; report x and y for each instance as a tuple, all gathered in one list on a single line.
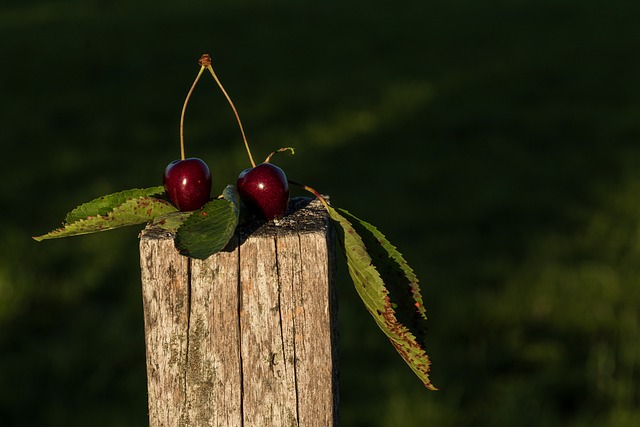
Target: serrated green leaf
[(393, 268), (387, 286), (131, 212), (103, 205), (209, 229)]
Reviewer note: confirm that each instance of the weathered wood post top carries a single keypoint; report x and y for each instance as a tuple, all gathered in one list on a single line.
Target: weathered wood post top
[(248, 336)]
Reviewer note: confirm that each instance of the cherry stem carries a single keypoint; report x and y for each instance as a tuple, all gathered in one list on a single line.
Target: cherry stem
[(268, 159), (184, 108), (206, 62), (314, 192)]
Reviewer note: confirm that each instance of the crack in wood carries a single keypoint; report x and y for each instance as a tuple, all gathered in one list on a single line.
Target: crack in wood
[(239, 326)]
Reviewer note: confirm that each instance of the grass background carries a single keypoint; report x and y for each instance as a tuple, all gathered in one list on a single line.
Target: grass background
[(495, 143)]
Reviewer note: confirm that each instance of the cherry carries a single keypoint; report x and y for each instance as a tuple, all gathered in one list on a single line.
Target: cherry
[(265, 190), (187, 183)]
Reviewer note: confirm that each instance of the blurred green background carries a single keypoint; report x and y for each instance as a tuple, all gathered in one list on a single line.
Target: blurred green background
[(495, 143)]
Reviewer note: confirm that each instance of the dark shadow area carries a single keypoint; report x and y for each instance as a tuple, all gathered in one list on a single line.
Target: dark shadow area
[(304, 215)]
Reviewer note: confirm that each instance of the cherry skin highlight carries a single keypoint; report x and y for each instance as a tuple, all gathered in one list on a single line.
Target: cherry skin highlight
[(265, 190), (188, 183)]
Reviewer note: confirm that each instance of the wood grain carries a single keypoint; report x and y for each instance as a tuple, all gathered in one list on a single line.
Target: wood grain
[(247, 337)]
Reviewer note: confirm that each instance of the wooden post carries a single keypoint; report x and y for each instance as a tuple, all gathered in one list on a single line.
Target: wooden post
[(248, 336)]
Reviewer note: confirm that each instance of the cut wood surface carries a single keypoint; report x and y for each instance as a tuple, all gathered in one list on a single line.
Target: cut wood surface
[(247, 337)]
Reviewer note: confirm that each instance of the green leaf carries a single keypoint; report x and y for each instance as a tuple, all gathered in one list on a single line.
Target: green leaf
[(209, 229), (387, 286), (230, 193), (171, 221), (105, 204), (131, 212)]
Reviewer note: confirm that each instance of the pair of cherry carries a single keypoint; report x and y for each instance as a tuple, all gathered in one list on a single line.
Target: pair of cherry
[(263, 188)]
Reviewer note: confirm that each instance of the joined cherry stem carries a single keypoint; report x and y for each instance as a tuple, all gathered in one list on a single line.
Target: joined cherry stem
[(205, 63)]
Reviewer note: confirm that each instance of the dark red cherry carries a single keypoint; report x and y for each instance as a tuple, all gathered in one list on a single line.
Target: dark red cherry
[(265, 190), (188, 183)]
